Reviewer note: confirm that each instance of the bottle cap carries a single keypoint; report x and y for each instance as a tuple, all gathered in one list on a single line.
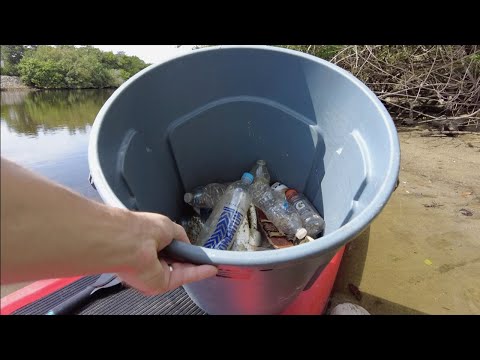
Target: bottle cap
[(248, 177), (306, 240), (301, 233), (279, 187), (290, 193), (188, 197)]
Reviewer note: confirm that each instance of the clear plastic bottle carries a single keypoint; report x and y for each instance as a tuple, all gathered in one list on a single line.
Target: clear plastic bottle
[(279, 190), (311, 219), (227, 215), (285, 219), (260, 172), (205, 197)]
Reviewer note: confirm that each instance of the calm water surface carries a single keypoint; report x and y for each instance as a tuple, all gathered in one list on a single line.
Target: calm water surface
[(48, 132)]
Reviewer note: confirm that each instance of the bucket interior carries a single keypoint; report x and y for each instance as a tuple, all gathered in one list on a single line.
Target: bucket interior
[(208, 116)]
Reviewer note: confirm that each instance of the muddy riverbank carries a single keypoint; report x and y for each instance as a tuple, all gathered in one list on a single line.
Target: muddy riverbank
[(422, 255)]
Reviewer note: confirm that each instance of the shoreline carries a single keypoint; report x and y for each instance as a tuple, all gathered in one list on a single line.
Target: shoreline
[(13, 83), (438, 127)]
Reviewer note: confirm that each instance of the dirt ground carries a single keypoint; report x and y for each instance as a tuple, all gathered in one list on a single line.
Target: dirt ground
[(422, 253)]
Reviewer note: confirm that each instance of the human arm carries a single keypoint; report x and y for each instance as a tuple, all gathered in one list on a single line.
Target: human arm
[(48, 231)]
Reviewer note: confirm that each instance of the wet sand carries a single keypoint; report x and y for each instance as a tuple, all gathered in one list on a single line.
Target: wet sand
[(422, 253)]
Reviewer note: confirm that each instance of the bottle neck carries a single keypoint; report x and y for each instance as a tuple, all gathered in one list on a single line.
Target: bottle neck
[(246, 182)]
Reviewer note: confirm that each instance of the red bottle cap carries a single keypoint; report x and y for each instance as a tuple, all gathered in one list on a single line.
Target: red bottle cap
[(290, 193)]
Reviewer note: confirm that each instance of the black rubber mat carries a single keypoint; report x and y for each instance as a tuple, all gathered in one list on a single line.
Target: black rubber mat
[(117, 301)]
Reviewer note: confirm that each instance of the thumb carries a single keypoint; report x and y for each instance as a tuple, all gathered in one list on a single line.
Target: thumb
[(159, 277), (184, 273)]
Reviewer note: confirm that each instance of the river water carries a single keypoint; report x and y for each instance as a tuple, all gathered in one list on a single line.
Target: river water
[(48, 132)]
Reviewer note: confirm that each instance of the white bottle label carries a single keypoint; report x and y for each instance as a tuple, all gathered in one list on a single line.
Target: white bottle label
[(300, 205)]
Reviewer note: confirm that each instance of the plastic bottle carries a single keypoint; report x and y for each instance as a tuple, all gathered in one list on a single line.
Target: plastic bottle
[(227, 215), (285, 219), (260, 172), (279, 190), (311, 219), (205, 197), (247, 238)]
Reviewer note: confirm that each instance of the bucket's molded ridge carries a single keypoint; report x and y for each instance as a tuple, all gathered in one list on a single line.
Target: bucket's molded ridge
[(208, 116)]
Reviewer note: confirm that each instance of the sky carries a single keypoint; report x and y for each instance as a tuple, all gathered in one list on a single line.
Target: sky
[(149, 53)]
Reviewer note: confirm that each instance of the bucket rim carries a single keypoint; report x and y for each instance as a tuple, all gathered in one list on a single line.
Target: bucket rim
[(326, 244)]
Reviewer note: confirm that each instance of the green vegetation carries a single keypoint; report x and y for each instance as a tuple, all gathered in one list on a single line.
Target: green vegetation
[(11, 56), (68, 67)]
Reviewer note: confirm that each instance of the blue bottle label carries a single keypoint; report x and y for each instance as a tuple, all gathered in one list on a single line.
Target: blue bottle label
[(227, 225)]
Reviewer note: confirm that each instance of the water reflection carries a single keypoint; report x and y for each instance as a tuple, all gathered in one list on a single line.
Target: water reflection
[(47, 111), (48, 132)]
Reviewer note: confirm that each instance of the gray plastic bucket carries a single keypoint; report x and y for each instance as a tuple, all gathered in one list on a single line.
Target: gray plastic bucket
[(208, 116)]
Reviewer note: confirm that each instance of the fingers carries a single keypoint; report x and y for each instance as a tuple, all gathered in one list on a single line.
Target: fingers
[(152, 280), (162, 229), (153, 275), (184, 273), (179, 233), (161, 277)]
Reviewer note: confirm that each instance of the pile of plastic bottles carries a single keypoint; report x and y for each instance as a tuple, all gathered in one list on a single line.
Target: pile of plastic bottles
[(251, 215)]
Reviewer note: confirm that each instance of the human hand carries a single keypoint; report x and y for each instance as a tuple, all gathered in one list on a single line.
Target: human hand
[(151, 274)]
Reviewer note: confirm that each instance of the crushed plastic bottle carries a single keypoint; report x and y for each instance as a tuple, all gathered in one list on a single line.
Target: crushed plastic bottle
[(227, 215), (285, 219), (279, 190), (311, 219), (205, 197), (260, 172), (248, 238)]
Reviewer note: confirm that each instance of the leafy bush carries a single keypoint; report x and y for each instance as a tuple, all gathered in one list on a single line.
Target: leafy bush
[(11, 56), (70, 67)]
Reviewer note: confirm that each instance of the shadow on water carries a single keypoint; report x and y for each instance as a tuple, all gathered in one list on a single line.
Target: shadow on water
[(28, 112)]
